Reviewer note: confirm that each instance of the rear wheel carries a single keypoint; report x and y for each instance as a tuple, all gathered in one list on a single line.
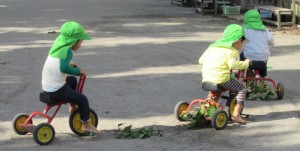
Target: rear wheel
[(231, 105), (280, 91), (179, 108), (75, 122), (219, 119), (20, 119)]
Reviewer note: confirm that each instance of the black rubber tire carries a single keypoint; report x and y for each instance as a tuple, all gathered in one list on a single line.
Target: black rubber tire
[(16, 121), (44, 130), (73, 119), (215, 119), (280, 91), (231, 104), (177, 109)]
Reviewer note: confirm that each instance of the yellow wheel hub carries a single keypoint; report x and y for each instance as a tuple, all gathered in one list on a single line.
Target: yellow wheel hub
[(44, 134), (232, 105), (21, 120), (221, 119), (77, 122), (182, 108)]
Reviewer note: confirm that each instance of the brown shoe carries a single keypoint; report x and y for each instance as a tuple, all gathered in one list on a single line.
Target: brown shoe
[(238, 120)]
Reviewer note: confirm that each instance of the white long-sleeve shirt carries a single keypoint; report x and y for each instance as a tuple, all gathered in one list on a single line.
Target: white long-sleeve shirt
[(258, 47), (52, 78)]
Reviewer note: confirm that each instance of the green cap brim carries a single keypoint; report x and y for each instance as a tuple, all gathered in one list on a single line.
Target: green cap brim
[(86, 37)]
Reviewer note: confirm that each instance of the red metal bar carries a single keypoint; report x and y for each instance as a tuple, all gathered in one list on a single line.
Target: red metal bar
[(256, 72), (81, 83), (262, 79), (46, 109), (211, 96), (34, 114), (240, 74), (50, 119), (193, 102)]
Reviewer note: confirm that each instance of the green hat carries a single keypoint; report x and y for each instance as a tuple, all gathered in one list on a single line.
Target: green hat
[(252, 20), (232, 33), (70, 33)]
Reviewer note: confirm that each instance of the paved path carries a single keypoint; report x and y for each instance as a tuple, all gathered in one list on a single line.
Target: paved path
[(141, 62)]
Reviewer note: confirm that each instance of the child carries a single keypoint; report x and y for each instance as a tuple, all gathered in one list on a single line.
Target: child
[(58, 65), (223, 56), (257, 49)]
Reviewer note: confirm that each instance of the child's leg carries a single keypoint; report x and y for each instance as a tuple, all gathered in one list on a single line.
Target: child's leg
[(84, 110), (237, 86), (261, 66), (72, 82), (67, 93), (263, 71)]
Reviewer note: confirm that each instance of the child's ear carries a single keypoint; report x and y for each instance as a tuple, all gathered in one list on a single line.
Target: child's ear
[(241, 40)]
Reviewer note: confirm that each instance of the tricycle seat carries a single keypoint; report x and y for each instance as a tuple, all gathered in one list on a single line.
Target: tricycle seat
[(209, 86), (45, 98)]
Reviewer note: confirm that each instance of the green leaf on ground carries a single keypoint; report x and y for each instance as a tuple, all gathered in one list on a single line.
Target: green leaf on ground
[(128, 132)]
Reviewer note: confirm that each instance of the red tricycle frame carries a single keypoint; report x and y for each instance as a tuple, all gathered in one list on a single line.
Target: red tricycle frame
[(48, 107)]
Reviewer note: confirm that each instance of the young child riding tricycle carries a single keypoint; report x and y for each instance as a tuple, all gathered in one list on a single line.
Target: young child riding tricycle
[(59, 86), (217, 62)]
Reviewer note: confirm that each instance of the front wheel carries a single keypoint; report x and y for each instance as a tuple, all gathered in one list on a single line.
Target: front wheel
[(17, 121), (280, 91), (219, 119), (179, 108), (75, 122), (44, 134)]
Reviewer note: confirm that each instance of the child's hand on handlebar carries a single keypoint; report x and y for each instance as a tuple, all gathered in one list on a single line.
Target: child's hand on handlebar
[(249, 61), (82, 72), (73, 64)]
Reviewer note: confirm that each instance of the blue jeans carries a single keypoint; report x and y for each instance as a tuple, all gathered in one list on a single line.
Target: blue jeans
[(68, 93)]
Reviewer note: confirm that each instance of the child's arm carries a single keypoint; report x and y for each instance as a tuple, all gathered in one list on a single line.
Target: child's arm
[(270, 38), (234, 62), (65, 65)]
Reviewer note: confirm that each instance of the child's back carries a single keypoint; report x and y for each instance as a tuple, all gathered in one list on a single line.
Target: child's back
[(259, 39), (258, 36), (258, 46)]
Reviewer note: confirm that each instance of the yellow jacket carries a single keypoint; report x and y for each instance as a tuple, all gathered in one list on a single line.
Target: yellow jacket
[(217, 63)]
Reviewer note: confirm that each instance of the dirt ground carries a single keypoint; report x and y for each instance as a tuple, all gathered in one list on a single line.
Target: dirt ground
[(141, 62)]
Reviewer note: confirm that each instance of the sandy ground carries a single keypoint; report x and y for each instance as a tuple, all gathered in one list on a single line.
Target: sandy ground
[(141, 62)]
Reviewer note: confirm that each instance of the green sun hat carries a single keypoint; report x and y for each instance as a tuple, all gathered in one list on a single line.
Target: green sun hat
[(232, 33), (70, 33), (252, 20)]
